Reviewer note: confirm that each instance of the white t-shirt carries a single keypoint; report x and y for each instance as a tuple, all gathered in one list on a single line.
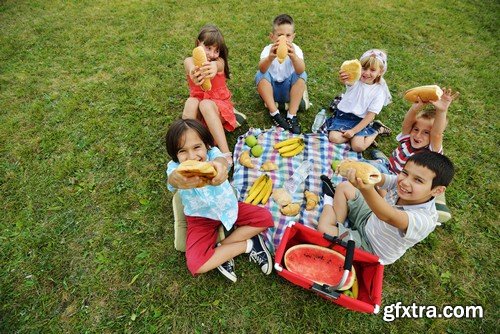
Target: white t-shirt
[(388, 242), (361, 98), (278, 71)]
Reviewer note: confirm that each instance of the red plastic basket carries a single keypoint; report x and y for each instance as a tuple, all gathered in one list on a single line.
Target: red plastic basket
[(369, 271)]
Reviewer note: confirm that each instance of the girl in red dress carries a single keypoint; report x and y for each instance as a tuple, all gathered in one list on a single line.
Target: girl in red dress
[(213, 107)]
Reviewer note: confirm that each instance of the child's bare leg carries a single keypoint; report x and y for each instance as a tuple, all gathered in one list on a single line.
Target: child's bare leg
[(361, 143), (191, 108), (296, 93), (336, 137), (222, 254), (344, 192), (327, 222), (265, 90), (242, 233), (211, 115)]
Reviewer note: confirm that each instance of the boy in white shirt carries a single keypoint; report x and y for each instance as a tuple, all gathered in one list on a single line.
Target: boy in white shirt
[(388, 226), (282, 82)]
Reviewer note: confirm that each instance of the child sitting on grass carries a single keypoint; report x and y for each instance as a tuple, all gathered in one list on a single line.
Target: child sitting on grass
[(282, 82), (360, 104), (207, 207), (388, 226), (422, 130)]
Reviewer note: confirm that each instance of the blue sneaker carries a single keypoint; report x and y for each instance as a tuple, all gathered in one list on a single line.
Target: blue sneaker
[(261, 255), (227, 269)]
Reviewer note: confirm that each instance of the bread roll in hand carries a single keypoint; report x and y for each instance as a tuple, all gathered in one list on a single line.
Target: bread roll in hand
[(353, 68), (282, 51), (200, 57), (426, 93), (202, 169), (366, 172)]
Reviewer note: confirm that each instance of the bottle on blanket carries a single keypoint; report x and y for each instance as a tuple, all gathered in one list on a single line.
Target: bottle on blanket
[(319, 120), (298, 176)]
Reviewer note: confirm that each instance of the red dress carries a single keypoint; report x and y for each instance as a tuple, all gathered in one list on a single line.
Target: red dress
[(221, 95)]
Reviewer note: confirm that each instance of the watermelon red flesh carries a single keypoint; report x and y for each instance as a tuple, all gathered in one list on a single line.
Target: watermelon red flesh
[(319, 264)]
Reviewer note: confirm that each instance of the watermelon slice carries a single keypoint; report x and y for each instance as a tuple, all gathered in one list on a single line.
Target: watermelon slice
[(318, 264)]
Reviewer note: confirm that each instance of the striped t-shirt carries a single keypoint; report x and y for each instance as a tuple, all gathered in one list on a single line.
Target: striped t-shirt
[(388, 242), (404, 150)]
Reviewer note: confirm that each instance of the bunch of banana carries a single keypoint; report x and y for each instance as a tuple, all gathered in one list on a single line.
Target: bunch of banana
[(290, 147), (260, 190)]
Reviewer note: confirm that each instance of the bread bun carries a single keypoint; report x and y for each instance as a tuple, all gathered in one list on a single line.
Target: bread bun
[(426, 93), (203, 169), (200, 57), (282, 51), (366, 172), (353, 68)]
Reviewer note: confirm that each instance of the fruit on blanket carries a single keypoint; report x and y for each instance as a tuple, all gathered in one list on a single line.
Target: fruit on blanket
[(268, 166), (311, 200), (245, 160), (251, 141), (289, 148), (256, 188), (291, 209), (366, 172), (282, 51), (335, 164), (282, 197), (257, 150), (264, 194), (296, 150), (319, 264), (353, 68), (426, 93), (200, 57), (288, 142)]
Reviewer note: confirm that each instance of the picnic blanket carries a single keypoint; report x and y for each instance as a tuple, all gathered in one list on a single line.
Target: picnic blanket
[(318, 150)]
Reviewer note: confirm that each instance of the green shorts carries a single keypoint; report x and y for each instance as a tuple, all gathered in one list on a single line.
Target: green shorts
[(358, 215)]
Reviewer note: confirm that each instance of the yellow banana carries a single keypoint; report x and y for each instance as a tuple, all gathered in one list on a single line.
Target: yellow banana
[(288, 148), (262, 192), (257, 190), (355, 289), (269, 191), (294, 152), (287, 142), (255, 185)]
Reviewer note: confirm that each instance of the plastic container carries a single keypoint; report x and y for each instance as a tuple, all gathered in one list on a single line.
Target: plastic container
[(298, 177), (319, 120)]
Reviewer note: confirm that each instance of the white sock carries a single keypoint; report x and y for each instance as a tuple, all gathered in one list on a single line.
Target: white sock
[(327, 200), (249, 246), (275, 113), (288, 115)]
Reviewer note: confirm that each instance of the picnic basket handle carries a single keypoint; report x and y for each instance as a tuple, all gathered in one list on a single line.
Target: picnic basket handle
[(349, 255)]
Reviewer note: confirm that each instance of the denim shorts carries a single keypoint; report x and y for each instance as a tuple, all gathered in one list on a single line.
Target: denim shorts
[(345, 121), (281, 90)]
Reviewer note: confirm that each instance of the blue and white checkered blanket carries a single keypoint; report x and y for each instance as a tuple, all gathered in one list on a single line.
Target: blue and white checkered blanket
[(318, 150)]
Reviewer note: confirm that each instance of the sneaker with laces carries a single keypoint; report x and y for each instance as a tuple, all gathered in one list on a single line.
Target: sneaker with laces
[(294, 125), (280, 121), (378, 155), (327, 186), (381, 128), (261, 255), (227, 269)]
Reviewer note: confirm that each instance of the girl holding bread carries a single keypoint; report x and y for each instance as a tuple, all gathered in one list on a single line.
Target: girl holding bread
[(209, 97), (361, 102), (209, 201)]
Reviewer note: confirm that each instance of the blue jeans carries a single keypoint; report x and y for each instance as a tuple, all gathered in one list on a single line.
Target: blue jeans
[(281, 90)]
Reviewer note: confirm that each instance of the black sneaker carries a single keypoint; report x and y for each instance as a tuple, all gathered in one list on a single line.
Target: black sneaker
[(381, 128), (294, 125), (335, 102), (378, 155), (327, 186), (260, 255), (227, 269), (278, 120)]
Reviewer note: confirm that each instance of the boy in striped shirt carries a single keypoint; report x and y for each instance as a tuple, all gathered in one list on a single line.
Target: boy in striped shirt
[(422, 130), (388, 226)]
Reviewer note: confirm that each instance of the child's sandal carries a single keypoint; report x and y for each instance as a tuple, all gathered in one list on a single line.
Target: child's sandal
[(229, 158), (381, 128)]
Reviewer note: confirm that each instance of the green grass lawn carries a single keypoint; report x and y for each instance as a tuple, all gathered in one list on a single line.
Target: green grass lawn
[(87, 91)]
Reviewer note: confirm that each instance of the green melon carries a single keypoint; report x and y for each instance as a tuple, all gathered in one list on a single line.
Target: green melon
[(318, 264)]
